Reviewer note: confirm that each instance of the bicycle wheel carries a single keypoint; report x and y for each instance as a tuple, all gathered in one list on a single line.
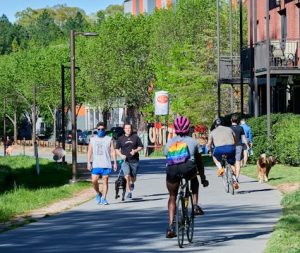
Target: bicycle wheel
[(225, 180), (230, 181), (190, 219), (180, 220)]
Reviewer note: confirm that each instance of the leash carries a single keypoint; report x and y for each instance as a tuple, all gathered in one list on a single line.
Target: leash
[(120, 171)]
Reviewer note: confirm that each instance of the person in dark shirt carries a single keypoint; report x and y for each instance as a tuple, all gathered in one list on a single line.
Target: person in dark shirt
[(128, 147), (240, 140)]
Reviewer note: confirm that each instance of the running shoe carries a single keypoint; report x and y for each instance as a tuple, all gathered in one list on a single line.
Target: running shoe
[(198, 210), (98, 198), (220, 172), (104, 202), (171, 231), (236, 185), (132, 187), (129, 195)]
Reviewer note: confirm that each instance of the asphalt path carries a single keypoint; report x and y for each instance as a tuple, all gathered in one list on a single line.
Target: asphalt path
[(239, 223)]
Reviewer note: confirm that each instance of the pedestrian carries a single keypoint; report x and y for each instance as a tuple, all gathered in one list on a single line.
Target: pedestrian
[(9, 146), (240, 139), (183, 158), (100, 151), (128, 147), (246, 150)]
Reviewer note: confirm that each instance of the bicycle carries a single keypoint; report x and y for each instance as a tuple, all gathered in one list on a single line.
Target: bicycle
[(228, 176), (184, 213)]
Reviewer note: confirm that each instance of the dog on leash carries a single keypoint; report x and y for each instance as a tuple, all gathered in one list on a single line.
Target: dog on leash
[(120, 184), (264, 165)]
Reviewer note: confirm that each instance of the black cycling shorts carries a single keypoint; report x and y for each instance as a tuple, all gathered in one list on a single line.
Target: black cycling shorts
[(188, 170)]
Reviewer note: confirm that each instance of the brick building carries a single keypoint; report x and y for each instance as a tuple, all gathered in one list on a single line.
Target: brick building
[(136, 7), (284, 35)]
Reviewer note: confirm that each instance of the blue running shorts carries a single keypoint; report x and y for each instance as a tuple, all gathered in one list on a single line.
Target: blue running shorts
[(228, 150), (101, 171)]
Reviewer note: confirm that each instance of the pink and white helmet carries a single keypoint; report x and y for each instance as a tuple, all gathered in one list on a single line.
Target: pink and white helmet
[(182, 125)]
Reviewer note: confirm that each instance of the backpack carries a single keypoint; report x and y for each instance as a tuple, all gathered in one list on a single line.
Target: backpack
[(178, 153)]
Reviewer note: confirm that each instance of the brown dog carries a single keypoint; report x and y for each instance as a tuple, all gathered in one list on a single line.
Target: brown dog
[(264, 165)]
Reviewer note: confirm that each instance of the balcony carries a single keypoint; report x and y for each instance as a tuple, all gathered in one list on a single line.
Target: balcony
[(283, 58), (230, 72)]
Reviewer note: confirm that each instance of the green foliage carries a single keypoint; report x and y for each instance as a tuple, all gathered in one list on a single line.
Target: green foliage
[(173, 49), (6, 35), (44, 30), (77, 23), (284, 142)]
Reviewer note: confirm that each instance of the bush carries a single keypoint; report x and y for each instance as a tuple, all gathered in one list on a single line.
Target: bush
[(284, 142)]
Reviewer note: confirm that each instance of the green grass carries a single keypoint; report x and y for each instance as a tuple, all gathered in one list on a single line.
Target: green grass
[(22, 200), (286, 236), (22, 190), (279, 174)]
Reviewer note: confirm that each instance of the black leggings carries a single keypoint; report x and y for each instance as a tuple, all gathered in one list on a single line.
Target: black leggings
[(188, 170)]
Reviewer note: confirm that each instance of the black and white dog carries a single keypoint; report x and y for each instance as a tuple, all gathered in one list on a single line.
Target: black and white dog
[(120, 184)]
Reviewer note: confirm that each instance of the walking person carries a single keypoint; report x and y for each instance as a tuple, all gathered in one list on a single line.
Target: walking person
[(9, 146), (240, 139), (128, 147), (100, 151), (248, 134), (187, 167)]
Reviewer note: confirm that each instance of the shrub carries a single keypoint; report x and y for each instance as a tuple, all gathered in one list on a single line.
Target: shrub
[(284, 142)]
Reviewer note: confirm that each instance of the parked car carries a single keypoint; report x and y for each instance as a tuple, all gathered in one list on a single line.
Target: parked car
[(86, 136), (69, 135)]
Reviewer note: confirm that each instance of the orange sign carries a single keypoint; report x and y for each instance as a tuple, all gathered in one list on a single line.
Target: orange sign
[(162, 99)]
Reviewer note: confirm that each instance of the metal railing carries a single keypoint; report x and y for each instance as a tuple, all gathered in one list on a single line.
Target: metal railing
[(229, 67), (283, 54)]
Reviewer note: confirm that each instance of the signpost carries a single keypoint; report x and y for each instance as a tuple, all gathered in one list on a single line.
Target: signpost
[(161, 104)]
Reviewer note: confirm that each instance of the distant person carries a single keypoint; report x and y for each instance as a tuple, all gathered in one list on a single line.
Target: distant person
[(240, 140), (58, 153), (128, 147), (247, 150), (100, 151), (9, 146)]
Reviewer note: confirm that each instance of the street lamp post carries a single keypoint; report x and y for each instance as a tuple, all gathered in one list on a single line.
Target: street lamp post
[(63, 123), (73, 100), (63, 128)]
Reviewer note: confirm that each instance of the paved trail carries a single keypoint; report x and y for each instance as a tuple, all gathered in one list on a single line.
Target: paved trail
[(241, 223)]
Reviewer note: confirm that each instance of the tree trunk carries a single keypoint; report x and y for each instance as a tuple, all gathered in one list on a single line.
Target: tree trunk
[(15, 127), (54, 126), (14, 122)]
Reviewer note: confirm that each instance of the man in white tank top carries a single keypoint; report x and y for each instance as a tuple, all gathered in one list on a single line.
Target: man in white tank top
[(100, 150)]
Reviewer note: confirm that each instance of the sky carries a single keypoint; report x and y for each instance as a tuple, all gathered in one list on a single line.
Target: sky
[(10, 7)]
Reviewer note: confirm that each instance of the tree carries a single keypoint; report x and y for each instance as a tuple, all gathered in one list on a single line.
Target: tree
[(45, 31), (114, 9), (6, 36), (116, 64), (77, 23)]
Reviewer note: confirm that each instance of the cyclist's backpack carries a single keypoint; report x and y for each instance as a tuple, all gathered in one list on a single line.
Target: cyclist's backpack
[(178, 153)]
